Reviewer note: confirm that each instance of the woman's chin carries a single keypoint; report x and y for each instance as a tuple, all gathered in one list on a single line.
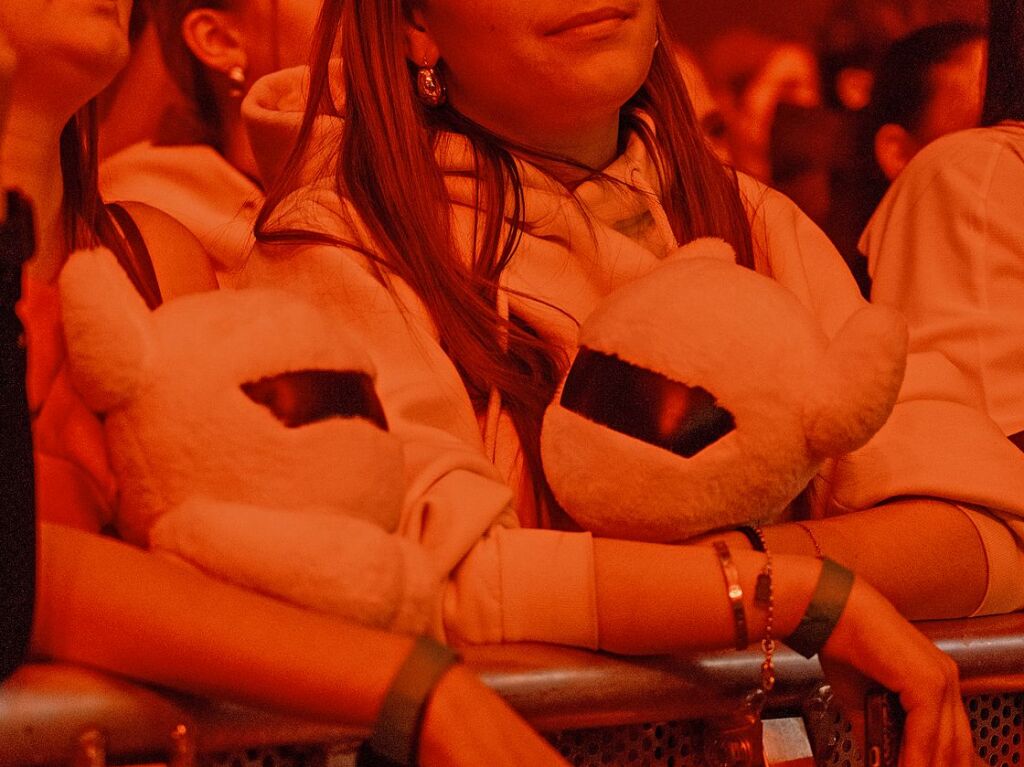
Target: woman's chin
[(88, 69)]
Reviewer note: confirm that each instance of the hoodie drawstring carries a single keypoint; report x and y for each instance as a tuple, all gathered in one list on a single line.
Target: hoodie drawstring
[(654, 206), (494, 398)]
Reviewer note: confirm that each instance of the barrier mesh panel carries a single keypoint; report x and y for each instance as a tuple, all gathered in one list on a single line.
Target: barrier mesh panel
[(997, 722)]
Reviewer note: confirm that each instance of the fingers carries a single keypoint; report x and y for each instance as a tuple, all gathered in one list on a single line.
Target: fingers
[(955, 746), (883, 646), (962, 748), (937, 732), (920, 737), (467, 724)]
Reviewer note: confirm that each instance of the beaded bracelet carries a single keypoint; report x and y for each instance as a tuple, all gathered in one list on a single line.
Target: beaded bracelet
[(734, 592), (824, 610), (752, 535), (396, 735), (764, 596), (814, 540)]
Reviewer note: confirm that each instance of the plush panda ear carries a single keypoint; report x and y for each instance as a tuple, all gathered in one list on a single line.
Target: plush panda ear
[(107, 326), (859, 382), (704, 247)]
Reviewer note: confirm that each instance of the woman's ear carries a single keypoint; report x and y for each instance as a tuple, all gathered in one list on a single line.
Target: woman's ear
[(894, 148), (420, 47), (215, 39)]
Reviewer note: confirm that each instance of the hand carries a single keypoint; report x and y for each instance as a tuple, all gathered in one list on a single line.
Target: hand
[(467, 724), (874, 641)]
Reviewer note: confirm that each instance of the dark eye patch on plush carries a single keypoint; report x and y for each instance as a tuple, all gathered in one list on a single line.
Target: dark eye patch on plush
[(643, 404), (300, 397)]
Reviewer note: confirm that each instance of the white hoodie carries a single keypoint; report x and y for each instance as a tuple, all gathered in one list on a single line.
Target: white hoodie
[(511, 584)]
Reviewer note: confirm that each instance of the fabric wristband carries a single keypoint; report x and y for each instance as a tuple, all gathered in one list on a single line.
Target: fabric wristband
[(396, 735), (824, 609)]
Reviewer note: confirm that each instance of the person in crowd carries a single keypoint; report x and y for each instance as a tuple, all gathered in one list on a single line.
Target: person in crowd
[(469, 209), (165, 624), (142, 101), (852, 40), (705, 105), (945, 244), (199, 166), (928, 84), (752, 75)]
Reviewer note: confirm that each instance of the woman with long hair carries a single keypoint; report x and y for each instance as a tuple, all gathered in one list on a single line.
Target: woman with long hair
[(945, 244), (164, 624), (495, 169), (197, 164)]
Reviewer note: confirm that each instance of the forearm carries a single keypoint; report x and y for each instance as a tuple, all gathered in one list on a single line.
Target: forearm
[(924, 555), (658, 598), (468, 724), (104, 604)]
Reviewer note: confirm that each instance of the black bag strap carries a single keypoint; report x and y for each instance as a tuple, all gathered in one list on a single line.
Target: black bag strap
[(17, 477), (137, 262)]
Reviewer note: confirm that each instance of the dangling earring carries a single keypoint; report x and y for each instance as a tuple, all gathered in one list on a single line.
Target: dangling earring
[(430, 87), (236, 78)]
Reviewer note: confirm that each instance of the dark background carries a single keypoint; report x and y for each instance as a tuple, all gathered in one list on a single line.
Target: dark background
[(695, 21)]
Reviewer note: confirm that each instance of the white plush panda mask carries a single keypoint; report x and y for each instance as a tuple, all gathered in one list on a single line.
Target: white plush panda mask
[(706, 395), (247, 439)]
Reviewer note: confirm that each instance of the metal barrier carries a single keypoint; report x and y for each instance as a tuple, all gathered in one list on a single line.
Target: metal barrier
[(597, 709)]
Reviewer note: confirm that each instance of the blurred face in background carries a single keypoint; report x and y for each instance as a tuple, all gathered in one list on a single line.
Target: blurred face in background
[(706, 107), (955, 92), (278, 33), (75, 46), (957, 89)]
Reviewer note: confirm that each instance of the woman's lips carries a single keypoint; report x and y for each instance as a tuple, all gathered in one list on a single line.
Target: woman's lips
[(588, 19)]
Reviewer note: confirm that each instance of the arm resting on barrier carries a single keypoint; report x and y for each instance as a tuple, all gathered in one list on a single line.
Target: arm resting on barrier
[(900, 548), (554, 688), (106, 605)]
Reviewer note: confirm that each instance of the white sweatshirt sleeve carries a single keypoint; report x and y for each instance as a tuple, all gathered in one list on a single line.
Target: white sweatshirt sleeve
[(937, 443)]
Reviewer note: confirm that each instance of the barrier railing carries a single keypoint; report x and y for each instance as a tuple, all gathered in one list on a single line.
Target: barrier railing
[(598, 709)]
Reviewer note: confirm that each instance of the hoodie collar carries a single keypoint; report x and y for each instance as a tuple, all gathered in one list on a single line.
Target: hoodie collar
[(625, 196), (272, 111)]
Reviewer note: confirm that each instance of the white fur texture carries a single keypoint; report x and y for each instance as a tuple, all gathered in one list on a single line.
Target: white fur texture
[(190, 448), (701, 320), (859, 381), (108, 326), (325, 561)]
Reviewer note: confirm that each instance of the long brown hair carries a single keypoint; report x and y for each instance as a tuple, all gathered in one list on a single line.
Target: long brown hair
[(1004, 88), (387, 168), (187, 71), (87, 223)]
